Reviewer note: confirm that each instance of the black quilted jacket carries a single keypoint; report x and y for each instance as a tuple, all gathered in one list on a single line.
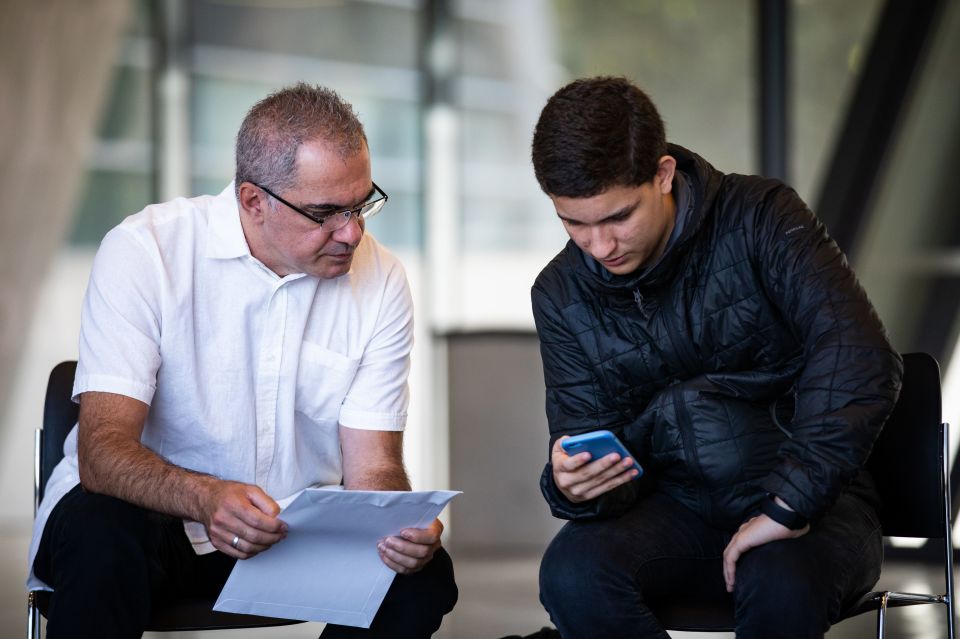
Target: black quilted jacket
[(747, 361)]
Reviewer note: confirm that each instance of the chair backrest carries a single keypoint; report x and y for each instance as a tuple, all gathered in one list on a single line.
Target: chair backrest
[(907, 458), (59, 416)]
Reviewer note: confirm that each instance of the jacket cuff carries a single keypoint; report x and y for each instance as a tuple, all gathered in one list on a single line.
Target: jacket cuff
[(783, 516)]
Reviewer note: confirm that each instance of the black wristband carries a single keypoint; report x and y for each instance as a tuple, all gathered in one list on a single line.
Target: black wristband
[(789, 518)]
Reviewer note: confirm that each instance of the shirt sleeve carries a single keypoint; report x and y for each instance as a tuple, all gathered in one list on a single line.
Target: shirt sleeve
[(379, 395), (120, 321)]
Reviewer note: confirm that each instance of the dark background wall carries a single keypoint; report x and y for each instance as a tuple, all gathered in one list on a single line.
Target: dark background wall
[(498, 443)]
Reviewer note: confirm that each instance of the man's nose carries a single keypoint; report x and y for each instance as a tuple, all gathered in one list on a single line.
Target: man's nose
[(350, 233), (602, 242)]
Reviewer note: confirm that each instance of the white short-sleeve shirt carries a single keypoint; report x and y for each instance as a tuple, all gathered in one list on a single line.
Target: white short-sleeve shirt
[(247, 374)]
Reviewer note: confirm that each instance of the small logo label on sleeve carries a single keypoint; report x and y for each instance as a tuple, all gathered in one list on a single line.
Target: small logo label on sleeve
[(790, 232)]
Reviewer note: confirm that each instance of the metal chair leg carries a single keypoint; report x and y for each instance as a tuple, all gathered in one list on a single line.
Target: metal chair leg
[(882, 615), (33, 618)]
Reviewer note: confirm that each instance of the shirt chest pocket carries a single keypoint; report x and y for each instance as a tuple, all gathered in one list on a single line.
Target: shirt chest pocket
[(323, 380)]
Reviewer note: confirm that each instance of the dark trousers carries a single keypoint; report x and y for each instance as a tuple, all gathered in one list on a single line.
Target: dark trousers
[(598, 577), (109, 562)]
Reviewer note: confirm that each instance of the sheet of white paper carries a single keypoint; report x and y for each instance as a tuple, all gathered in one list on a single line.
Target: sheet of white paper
[(328, 569)]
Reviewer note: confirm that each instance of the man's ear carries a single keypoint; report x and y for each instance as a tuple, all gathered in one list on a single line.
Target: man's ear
[(252, 201), (666, 167)]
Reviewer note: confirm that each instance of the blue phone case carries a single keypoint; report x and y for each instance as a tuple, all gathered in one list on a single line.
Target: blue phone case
[(598, 443)]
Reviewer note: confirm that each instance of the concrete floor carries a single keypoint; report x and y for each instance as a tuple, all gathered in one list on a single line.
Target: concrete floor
[(498, 597)]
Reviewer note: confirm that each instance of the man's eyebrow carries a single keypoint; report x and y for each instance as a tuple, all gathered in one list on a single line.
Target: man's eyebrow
[(327, 206), (618, 213)]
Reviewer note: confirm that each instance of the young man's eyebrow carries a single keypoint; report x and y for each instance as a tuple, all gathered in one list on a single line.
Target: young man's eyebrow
[(326, 206), (618, 213)]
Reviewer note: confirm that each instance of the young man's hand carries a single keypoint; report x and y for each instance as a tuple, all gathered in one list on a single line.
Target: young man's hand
[(412, 549), (756, 531), (581, 479)]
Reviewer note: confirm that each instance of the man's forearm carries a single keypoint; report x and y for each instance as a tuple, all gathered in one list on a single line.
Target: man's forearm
[(384, 477), (112, 464)]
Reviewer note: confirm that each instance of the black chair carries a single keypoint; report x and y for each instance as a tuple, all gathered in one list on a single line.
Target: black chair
[(59, 417), (910, 464)]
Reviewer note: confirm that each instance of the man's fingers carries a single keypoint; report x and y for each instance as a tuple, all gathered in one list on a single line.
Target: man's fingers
[(605, 472), (263, 501), (610, 484), (395, 566), (404, 561), (423, 536), (251, 514), (730, 556), (226, 525), (409, 549)]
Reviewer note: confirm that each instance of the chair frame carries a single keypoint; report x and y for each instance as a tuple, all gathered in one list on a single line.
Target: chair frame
[(889, 598)]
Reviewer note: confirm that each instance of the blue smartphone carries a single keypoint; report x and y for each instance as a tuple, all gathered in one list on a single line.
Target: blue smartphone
[(598, 443)]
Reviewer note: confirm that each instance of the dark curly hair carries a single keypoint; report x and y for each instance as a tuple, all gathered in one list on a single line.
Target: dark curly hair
[(595, 133)]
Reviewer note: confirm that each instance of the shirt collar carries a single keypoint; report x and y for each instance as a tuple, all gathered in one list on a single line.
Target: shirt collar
[(225, 238)]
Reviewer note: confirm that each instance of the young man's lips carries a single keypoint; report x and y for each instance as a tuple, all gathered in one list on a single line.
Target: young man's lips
[(616, 261)]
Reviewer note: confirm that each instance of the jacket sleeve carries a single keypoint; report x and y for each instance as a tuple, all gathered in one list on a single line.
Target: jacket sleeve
[(574, 404), (851, 375)]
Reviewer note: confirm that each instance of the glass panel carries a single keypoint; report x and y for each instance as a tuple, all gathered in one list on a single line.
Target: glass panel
[(241, 53), (709, 63), (692, 57), (119, 179), (356, 32), (830, 41), (108, 197)]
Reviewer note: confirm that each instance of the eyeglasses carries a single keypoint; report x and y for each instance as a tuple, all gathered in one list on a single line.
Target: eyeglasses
[(340, 219)]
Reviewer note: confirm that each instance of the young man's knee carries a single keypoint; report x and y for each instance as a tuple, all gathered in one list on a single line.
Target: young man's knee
[(775, 586), (574, 565)]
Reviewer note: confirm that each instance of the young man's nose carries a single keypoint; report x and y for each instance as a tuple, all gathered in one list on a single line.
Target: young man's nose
[(602, 243)]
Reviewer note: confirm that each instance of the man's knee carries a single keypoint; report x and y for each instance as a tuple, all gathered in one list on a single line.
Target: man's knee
[(91, 532), (780, 587), (575, 564), (419, 601)]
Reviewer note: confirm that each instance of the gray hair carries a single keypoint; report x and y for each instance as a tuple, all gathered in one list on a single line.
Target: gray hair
[(275, 127)]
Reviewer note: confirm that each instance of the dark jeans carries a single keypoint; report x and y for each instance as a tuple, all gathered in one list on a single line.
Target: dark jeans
[(597, 577), (109, 561)]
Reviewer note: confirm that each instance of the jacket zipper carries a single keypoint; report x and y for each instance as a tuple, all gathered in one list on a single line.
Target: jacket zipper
[(685, 423)]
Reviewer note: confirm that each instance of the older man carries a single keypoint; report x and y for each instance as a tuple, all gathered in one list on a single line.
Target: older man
[(235, 349)]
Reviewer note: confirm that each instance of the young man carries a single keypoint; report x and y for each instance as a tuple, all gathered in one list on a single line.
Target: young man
[(235, 349), (708, 321)]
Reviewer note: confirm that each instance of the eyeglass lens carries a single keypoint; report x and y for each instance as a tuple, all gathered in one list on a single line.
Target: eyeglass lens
[(341, 219)]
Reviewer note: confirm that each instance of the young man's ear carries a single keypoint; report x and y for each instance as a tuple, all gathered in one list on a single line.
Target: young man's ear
[(666, 167), (252, 201)]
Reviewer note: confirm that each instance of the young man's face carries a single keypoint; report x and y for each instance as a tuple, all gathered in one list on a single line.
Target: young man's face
[(624, 227), (286, 241)]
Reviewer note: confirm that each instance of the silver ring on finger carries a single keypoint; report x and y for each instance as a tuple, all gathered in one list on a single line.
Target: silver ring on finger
[(235, 542)]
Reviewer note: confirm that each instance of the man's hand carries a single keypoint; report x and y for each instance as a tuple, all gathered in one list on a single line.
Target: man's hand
[(580, 479), (232, 509), (412, 549), (756, 531)]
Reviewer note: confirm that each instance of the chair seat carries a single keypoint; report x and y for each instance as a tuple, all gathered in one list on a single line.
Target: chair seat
[(189, 614)]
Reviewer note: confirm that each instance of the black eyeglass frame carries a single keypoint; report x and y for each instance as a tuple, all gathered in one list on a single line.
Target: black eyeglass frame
[(346, 213)]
